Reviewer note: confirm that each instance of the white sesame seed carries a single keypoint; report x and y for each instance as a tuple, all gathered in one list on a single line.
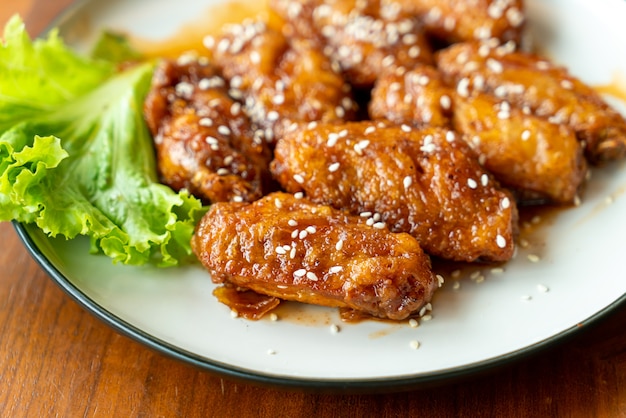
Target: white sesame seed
[(334, 329), (292, 222), (238, 199), (543, 288), (456, 285), (234, 313), (294, 233), (414, 344), (533, 258), (271, 352), (494, 65), (445, 102), (500, 241), (222, 172), (369, 130), (526, 135), (224, 130), (205, 122), (463, 87), (292, 252), (497, 270), (298, 195), (255, 57), (427, 317), (365, 214), (471, 183), (303, 234), (484, 180), (379, 225), (298, 178), (413, 323), (407, 182), (370, 222), (525, 298), (299, 273), (311, 276), (505, 203), (280, 250), (405, 128), (311, 229), (440, 279), (333, 167), (332, 139), (273, 317), (339, 245)]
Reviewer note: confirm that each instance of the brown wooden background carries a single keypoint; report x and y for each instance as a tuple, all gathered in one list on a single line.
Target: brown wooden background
[(58, 360)]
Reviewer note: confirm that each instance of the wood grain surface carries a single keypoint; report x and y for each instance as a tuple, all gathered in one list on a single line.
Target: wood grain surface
[(57, 360)]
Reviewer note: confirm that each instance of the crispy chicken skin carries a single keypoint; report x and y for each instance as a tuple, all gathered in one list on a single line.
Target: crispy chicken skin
[(425, 182), (364, 37), (540, 160), (457, 21), (538, 87), (281, 81), (203, 141), (296, 250), (416, 97)]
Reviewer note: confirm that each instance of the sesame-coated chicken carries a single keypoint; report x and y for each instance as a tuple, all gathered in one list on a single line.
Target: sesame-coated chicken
[(426, 182), (280, 81), (540, 160), (536, 86), (363, 36), (296, 250), (415, 97), (456, 21), (203, 141)]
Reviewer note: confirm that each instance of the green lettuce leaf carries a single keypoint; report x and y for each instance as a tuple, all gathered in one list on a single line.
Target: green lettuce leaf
[(77, 159)]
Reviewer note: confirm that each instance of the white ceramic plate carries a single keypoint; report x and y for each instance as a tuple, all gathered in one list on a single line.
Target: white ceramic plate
[(481, 324)]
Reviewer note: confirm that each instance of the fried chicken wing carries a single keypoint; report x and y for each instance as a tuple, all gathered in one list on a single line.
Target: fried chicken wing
[(457, 21), (426, 182), (415, 97), (536, 86), (203, 141), (538, 159), (281, 81), (363, 36), (296, 250)]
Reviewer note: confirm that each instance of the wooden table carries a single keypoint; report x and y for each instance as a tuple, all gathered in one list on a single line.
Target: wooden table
[(58, 360)]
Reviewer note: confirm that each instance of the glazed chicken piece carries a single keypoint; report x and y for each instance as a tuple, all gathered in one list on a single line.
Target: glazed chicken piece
[(203, 141), (364, 37), (466, 20), (538, 87), (281, 81), (295, 250), (425, 182), (416, 97), (540, 160)]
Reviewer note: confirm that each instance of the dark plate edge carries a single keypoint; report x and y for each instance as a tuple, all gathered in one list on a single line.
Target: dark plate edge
[(377, 385)]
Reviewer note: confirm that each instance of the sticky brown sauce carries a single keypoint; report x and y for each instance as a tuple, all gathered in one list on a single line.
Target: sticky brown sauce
[(615, 88)]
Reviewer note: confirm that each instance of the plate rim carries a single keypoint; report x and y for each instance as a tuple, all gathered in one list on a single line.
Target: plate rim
[(370, 385), (349, 385)]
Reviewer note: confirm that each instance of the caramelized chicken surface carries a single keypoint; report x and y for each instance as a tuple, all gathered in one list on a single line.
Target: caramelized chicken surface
[(280, 81), (540, 160), (203, 141), (456, 21), (415, 97), (296, 250), (364, 37), (538, 87), (425, 182)]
